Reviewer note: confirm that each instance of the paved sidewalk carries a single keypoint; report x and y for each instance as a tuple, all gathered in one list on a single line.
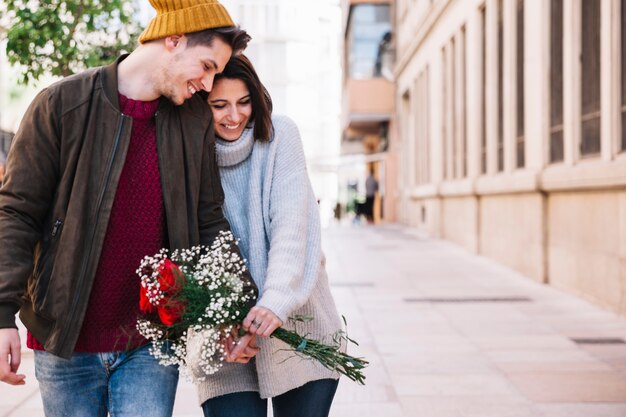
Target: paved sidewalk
[(448, 334)]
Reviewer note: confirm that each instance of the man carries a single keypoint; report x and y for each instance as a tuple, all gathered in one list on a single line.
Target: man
[(371, 188), (109, 166)]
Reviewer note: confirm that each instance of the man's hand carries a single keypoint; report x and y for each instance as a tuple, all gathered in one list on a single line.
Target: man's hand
[(261, 321), (10, 357), (240, 350)]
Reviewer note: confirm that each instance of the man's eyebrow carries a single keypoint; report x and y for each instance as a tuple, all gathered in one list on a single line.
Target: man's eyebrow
[(211, 63)]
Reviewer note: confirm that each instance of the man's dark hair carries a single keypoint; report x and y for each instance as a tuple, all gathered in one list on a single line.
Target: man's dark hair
[(239, 67), (233, 36)]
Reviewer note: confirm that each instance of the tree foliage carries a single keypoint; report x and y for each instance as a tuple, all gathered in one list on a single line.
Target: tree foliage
[(60, 37)]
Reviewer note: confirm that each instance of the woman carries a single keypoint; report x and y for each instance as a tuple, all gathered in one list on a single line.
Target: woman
[(272, 210)]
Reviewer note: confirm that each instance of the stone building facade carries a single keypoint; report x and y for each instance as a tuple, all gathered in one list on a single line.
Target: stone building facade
[(512, 135)]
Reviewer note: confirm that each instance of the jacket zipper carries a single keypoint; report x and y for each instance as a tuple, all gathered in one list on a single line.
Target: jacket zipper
[(79, 285), (57, 225), (164, 189)]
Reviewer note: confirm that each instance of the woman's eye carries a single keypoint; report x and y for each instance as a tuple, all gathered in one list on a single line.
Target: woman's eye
[(247, 101), (218, 106)]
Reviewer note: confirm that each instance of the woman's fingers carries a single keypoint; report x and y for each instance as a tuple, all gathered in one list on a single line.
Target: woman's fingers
[(268, 326), (245, 347), (250, 317), (228, 343), (261, 321)]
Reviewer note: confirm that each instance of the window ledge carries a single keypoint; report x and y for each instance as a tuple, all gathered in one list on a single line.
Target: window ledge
[(424, 191), (587, 175), (508, 183), (457, 188)]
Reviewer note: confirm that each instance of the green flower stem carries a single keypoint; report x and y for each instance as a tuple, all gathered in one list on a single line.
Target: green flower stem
[(330, 356)]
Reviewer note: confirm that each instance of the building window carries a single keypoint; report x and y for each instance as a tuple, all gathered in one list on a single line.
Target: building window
[(445, 113), (422, 128), (463, 100), (406, 115), (519, 142), (590, 78), (500, 88), (449, 128), (623, 70), (426, 128), (405, 123), (483, 101), (452, 122), (417, 118), (556, 81), (369, 31)]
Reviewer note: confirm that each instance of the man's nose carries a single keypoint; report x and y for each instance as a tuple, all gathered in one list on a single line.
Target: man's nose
[(207, 83)]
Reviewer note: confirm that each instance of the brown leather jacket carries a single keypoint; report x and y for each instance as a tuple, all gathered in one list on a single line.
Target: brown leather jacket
[(62, 174)]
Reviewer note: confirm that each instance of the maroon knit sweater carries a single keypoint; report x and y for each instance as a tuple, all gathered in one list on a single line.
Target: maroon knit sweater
[(136, 229)]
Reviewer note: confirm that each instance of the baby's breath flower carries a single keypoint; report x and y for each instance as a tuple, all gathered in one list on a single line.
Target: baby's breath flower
[(214, 299)]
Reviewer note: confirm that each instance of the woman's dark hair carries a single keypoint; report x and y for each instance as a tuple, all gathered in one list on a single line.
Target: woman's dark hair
[(239, 67)]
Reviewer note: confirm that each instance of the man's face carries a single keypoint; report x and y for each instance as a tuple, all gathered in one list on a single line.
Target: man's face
[(191, 69)]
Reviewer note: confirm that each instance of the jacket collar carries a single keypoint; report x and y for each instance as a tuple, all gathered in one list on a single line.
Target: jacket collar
[(109, 81)]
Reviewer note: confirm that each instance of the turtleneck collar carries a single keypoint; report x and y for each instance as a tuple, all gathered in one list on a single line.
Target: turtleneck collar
[(138, 109), (231, 153)]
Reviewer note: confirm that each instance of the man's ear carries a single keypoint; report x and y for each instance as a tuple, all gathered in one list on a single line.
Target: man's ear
[(175, 41)]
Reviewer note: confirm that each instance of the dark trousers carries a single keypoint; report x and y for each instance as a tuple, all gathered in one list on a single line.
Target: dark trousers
[(310, 400), (369, 208)]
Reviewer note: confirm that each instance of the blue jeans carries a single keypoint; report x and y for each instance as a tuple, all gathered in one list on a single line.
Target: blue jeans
[(123, 384), (310, 400)]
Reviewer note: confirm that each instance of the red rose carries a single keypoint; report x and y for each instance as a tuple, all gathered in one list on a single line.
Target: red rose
[(171, 313), (171, 280), (170, 277), (145, 306)]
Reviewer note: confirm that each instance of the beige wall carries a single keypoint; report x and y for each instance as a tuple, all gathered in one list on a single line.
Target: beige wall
[(424, 214), (511, 232), (459, 221), (587, 245)]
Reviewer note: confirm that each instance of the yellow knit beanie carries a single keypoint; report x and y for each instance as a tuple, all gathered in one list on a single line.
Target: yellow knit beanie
[(177, 17)]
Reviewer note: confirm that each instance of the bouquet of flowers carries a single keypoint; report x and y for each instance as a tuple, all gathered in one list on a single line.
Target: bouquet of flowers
[(198, 294)]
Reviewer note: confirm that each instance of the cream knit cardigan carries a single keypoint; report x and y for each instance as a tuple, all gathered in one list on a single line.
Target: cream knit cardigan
[(272, 210)]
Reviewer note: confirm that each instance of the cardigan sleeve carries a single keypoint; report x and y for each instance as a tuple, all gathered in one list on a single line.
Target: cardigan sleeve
[(295, 253)]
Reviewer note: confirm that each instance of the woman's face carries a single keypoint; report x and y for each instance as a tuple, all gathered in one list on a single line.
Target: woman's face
[(231, 106)]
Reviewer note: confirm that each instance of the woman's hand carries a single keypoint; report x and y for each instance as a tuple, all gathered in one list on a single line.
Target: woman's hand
[(240, 349), (261, 321)]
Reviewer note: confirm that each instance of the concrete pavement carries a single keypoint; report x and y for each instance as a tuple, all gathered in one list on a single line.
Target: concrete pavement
[(448, 334)]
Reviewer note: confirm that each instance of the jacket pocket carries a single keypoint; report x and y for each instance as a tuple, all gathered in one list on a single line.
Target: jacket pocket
[(44, 263)]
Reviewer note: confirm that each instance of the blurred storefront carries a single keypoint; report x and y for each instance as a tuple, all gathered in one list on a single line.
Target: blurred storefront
[(367, 104), (295, 50)]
